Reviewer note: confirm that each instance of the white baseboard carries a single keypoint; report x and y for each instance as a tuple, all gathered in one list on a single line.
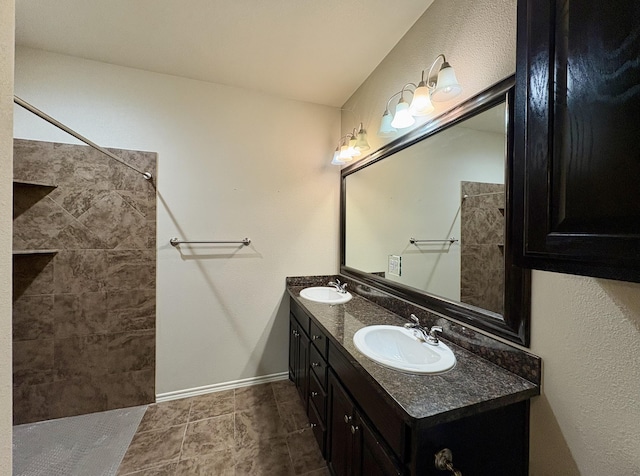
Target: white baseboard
[(219, 387)]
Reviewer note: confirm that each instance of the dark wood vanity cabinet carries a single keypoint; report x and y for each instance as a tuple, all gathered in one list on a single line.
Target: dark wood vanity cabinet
[(355, 449), (576, 171), (363, 432), (299, 357)]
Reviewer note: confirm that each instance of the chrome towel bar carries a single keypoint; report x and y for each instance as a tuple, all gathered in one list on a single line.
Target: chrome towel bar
[(451, 240), (177, 241)]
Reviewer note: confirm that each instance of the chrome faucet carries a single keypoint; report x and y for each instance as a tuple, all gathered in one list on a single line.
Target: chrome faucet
[(340, 287), (428, 336)]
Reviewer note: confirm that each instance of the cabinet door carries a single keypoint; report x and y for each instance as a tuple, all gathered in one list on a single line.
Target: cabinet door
[(303, 367), (293, 348), (371, 457), (576, 197), (340, 441), (299, 358)]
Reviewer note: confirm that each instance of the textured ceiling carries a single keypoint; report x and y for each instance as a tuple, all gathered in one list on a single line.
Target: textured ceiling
[(310, 50)]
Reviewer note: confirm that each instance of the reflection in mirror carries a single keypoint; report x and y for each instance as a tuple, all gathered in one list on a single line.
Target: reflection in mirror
[(431, 216), (430, 219)]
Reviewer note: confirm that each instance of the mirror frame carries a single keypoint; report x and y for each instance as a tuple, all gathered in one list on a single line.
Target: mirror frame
[(514, 324)]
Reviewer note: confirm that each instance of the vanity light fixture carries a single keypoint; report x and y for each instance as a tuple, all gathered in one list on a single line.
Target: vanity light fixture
[(444, 88), (350, 145), (336, 157), (402, 118), (344, 153), (362, 143), (386, 129)]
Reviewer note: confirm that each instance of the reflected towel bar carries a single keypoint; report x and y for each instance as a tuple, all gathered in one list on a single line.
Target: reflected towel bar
[(451, 240), (81, 138), (176, 242), (465, 196)]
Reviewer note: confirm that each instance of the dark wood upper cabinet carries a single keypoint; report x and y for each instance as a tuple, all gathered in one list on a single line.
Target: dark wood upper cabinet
[(576, 180)]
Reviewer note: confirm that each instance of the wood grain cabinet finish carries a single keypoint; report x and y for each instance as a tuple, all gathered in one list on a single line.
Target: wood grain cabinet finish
[(299, 358), (576, 196), (362, 433), (355, 448)]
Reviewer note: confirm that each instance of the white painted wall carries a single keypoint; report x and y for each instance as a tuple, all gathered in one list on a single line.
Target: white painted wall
[(231, 163), (6, 190), (586, 330)]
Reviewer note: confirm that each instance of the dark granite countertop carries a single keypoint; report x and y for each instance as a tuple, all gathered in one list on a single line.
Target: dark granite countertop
[(473, 386)]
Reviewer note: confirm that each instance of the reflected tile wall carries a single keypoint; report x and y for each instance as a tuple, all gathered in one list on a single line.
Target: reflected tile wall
[(84, 317), (482, 245)]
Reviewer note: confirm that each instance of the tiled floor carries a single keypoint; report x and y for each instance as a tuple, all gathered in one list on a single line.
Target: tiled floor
[(260, 430)]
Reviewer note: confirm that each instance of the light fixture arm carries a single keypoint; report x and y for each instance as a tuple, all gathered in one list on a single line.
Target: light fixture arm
[(432, 85), (401, 92), (347, 136)]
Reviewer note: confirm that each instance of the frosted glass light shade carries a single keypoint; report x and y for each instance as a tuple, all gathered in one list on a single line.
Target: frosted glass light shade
[(402, 118), (353, 150), (386, 129), (421, 103), (362, 143), (336, 158), (447, 86), (345, 155)]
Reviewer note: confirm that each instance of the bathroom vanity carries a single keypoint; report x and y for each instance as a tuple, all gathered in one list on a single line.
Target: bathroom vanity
[(371, 420)]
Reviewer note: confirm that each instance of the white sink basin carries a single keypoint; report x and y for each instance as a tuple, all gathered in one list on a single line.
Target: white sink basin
[(326, 295), (398, 348)]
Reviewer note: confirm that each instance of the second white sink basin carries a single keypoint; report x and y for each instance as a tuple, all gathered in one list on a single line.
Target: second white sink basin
[(398, 348), (326, 295)]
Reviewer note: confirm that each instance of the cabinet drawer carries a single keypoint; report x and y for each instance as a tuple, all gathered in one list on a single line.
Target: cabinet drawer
[(319, 430), (319, 339), (318, 366), (318, 397)]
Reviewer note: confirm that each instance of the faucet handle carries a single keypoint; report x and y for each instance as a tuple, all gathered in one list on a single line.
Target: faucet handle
[(432, 338), (414, 324)]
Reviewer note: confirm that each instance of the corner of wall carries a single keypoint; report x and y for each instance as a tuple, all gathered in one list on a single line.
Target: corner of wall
[(7, 28)]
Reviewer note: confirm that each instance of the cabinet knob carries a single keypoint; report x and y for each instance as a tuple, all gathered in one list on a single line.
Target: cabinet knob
[(347, 418), (312, 425), (314, 394), (354, 429), (444, 462), (315, 337), (315, 364)]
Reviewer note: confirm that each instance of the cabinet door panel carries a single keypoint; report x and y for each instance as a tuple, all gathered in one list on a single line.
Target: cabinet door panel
[(303, 368), (373, 459), (293, 347), (577, 154), (340, 438)]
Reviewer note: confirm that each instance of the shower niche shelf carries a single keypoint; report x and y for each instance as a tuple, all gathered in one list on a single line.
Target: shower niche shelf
[(28, 183), (33, 252), (35, 191)]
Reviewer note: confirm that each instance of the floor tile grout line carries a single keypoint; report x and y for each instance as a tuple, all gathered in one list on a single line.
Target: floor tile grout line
[(184, 434)]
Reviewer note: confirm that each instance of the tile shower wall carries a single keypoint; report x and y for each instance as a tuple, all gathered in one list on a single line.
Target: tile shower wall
[(482, 247), (84, 313)]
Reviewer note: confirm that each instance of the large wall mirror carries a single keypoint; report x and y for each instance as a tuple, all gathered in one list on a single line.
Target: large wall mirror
[(427, 217)]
